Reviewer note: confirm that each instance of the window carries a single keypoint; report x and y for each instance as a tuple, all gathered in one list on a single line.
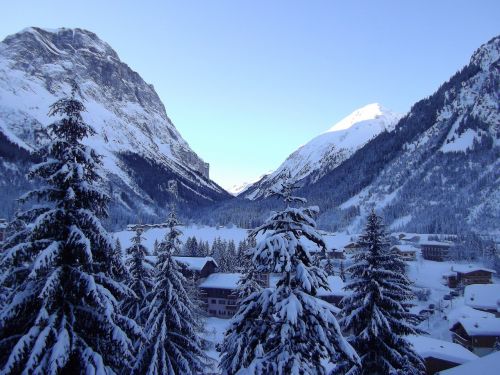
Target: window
[(213, 301), (222, 302)]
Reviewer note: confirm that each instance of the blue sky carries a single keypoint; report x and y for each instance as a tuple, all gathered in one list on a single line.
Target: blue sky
[(248, 82)]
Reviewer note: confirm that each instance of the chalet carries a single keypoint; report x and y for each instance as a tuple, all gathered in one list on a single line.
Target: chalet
[(439, 355), (483, 297), (435, 250), (487, 365), (351, 248), (407, 252), (337, 254), (3, 228), (476, 334), (336, 292), (197, 267), (219, 294), (462, 275)]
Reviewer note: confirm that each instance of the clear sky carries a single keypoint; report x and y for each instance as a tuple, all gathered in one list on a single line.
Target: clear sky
[(248, 82)]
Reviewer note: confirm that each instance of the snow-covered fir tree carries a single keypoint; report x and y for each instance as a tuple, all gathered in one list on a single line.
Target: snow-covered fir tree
[(342, 271), (241, 343), (62, 315), (172, 345), (118, 268), (376, 313), (140, 278), (273, 331)]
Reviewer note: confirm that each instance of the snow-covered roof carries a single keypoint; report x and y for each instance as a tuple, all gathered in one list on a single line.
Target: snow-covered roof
[(405, 248), (466, 312), (336, 287), (195, 263), (487, 365), (481, 326), (436, 243), (221, 281), (483, 296), (466, 268), (427, 347)]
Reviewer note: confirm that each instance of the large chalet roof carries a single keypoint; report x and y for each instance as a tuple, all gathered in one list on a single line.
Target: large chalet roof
[(466, 268), (221, 281), (480, 326), (483, 296), (195, 263), (405, 248), (336, 287), (428, 347), (487, 365)]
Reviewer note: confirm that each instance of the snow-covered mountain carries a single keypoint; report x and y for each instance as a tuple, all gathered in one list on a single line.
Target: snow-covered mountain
[(142, 149), (438, 170), (328, 150)]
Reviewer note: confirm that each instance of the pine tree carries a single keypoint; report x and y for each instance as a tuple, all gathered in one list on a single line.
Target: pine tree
[(118, 268), (342, 271), (271, 332), (376, 313), (140, 280), (172, 345), (63, 315)]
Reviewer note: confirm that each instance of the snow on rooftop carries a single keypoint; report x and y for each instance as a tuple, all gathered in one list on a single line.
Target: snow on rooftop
[(427, 347), (405, 247), (195, 263), (481, 326), (221, 281), (466, 268), (487, 365), (461, 312), (483, 296)]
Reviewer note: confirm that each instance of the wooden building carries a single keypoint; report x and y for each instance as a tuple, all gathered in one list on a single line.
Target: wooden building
[(197, 267), (219, 294), (336, 292), (476, 334), (463, 275), (407, 252), (439, 355), (435, 250)]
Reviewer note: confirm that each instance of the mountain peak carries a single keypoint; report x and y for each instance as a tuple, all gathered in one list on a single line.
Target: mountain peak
[(368, 112), (487, 54)]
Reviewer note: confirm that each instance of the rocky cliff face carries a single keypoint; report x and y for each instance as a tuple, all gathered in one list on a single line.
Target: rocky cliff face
[(134, 133)]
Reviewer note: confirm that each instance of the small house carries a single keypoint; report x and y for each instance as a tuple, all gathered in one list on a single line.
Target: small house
[(477, 335), (439, 355), (351, 248), (462, 275), (407, 252), (483, 297), (435, 250), (197, 267), (219, 294)]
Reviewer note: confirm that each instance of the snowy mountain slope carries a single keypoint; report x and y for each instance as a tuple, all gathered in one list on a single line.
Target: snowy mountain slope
[(439, 170), (325, 152), (142, 149)]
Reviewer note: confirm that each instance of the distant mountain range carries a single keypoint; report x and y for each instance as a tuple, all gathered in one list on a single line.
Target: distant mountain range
[(435, 169), (142, 149)]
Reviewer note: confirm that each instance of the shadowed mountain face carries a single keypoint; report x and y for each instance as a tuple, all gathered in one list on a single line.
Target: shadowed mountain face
[(142, 149)]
